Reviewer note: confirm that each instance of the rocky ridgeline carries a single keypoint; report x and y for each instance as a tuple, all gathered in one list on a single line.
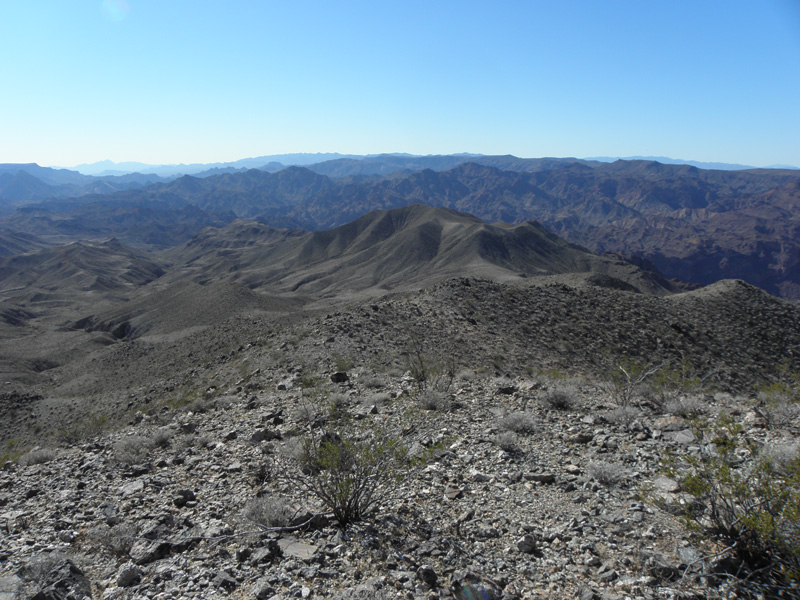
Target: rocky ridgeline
[(730, 333), (531, 488)]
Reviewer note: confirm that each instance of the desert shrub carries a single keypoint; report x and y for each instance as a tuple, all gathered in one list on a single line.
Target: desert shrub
[(466, 375), (268, 511), (351, 472), (673, 382), (627, 380), (201, 405), (687, 407), (161, 437), (371, 381), (378, 398), (427, 371), (338, 405), (37, 457), (132, 449), (560, 398), (519, 422), (747, 501), (117, 540), (623, 415), (309, 381), (507, 441), (194, 440), (430, 399), (778, 409), (606, 473), (308, 413), (343, 363), (84, 429)]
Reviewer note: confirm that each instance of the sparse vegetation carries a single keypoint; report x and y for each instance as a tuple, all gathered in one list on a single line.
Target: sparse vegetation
[(338, 406), (519, 422), (673, 384), (131, 450), (688, 407), (748, 501), (116, 540), (428, 372), (607, 473), (86, 428), (560, 398), (430, 399), (37, 457), (626, 380), (343, 363), (268, 511), (371, 381), (624, 415), (351, 472), (507, 441)]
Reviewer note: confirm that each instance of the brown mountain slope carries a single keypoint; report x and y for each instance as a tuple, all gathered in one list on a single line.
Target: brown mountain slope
[(83, 266), (395, 249)]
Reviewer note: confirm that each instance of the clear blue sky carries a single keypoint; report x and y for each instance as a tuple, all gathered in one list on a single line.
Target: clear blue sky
[(170, 81)]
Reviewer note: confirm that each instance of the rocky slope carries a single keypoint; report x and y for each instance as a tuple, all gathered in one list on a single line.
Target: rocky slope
[(519, 496)]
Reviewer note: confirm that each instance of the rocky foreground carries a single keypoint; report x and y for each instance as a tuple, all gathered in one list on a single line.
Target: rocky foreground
[(531, 487)]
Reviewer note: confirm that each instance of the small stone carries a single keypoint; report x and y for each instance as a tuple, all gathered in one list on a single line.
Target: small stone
[(264, 435), (545, 478), (263, 589), (128, 574), (297, 549), (340, 377), (453, 493), (67, 536), (133, 488), (224, 581), (427, 576), (526, 544), (182, 497), (681, 437), (479, 477)]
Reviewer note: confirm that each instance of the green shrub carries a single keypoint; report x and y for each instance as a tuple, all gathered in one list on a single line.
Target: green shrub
[(350, 472), (673, 383), (749, 502), (626, 380), (343, 363), (426, 371)]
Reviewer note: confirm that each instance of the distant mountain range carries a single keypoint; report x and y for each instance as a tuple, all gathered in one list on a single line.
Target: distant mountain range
[(694, 163), (402, 161), (697, 225)]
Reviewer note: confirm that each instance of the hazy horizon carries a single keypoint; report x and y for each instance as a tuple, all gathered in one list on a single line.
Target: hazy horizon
[(171, 83)]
